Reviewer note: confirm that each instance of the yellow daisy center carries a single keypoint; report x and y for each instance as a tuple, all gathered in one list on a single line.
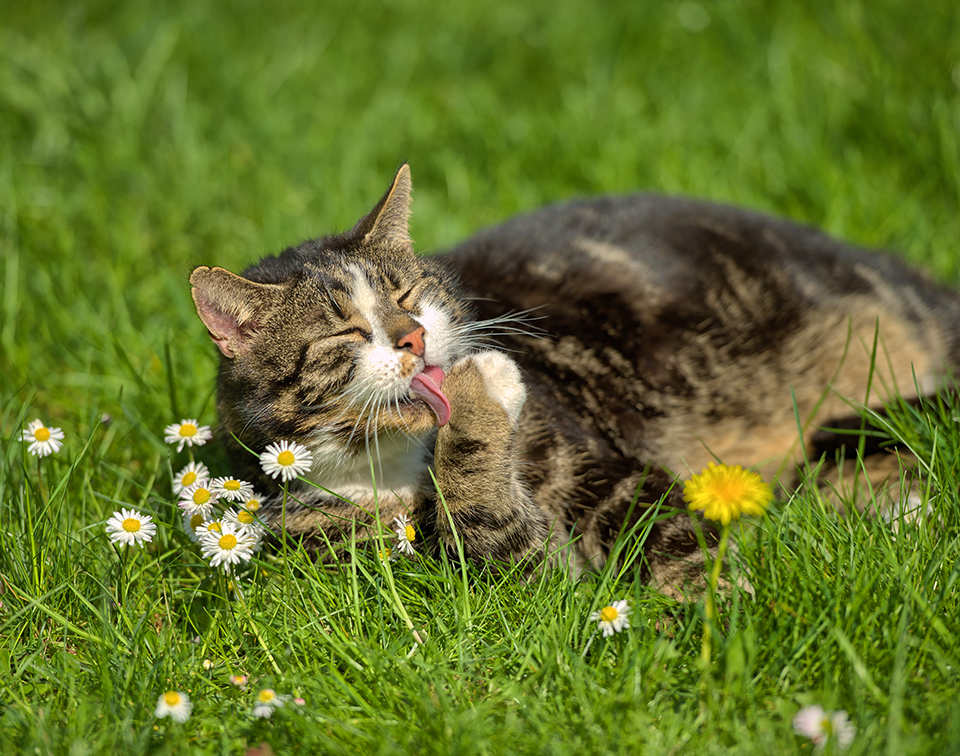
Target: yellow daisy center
[(410, 533), (609, 614), (171, 698), (245, 517), (286, 458), (188, 429), (214, 527), (42, 434), (266, 696), (196, 521), (190, 477), (227, 542), (232, 485), (252, 505), (131, 525), (201, 496), (385, 553)]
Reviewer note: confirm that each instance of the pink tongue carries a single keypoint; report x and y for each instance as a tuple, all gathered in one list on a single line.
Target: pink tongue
[(426, 385)]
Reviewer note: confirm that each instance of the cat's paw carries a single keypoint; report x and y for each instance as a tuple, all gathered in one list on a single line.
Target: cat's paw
[(499, 378)]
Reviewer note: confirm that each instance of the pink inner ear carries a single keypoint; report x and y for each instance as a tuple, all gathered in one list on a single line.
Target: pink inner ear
[(226, 333)]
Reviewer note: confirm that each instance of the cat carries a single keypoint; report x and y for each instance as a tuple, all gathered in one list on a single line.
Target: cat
[(542, 387)]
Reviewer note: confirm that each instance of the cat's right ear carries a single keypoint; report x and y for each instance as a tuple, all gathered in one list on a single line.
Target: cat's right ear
[(231, 307)]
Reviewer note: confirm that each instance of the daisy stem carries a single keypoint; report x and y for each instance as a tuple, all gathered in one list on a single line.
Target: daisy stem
[(710, 608), (283, 534)]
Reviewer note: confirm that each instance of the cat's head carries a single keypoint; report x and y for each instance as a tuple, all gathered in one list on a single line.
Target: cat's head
[(338, 339)]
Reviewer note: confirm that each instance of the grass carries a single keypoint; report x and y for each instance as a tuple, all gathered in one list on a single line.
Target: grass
[(140, 139)]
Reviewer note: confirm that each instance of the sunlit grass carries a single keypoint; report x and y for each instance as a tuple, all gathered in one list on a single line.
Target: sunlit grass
[(141, 139)]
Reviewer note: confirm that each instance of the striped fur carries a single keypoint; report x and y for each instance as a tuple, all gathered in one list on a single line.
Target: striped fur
[(669, 333)]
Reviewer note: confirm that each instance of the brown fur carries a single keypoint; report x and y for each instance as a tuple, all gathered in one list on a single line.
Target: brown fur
[(670, 333)]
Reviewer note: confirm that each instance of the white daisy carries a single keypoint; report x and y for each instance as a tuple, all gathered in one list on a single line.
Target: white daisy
[(192, 473), (187, 432), (386, 554), (263, 711), (212, 528), (230, 546), (231, 489), (286, 460), (822, 726), (192, 524), (198, 498), (266, 701), (43, 440), (130, 527), (245, 520), (253, 503), (175, 705), (613, 618), (239, 680), (406, 535)]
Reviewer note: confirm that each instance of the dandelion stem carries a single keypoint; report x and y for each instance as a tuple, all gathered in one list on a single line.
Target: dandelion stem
[(710, 608)]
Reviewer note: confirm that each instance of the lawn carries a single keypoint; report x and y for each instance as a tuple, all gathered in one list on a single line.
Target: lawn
[(140, 139)]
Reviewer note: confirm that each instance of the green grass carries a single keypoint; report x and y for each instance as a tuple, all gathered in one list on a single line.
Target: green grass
[(140, 139)]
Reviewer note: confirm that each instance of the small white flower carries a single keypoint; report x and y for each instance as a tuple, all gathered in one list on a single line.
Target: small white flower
[(228, 547), (253, 503), (386, 554), (212, 528), (613, 618), (231, 489), (246, 521), (820, 726), (239, 680), (192, 525), (43, 441), (198, 498), (286, 460), (195, 472), (130, 527), (187, 432), (406, 535), (208, 664), (266, 701), (175, 705)]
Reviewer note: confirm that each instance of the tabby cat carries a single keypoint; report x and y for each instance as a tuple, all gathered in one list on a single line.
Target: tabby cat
[(668, 333)]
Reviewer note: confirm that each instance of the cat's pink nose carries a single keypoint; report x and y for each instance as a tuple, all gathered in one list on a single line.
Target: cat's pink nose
[(413, 341)]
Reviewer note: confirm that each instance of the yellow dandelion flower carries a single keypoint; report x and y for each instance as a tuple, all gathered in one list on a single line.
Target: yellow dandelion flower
[(724, 493)]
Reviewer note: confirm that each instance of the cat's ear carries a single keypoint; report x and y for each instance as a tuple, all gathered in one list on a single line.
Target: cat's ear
[(387, 225), (231, 307)]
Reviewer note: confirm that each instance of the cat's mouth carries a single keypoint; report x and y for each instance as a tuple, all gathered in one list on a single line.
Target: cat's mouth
[(426, 386)]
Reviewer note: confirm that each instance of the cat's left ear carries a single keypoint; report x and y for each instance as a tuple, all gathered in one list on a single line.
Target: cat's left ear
[(388, 225)]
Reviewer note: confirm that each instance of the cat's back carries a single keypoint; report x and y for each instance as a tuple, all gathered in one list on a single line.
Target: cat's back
[(667, 253)]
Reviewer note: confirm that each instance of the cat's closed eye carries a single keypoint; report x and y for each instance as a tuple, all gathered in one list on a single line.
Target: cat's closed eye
[(356, 332), (407, 301)]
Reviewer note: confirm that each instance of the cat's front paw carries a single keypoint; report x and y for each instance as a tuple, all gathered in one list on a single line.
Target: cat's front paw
[(499, 377)]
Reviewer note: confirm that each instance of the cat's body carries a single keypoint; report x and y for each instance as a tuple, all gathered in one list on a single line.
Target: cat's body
[(670, 333)]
